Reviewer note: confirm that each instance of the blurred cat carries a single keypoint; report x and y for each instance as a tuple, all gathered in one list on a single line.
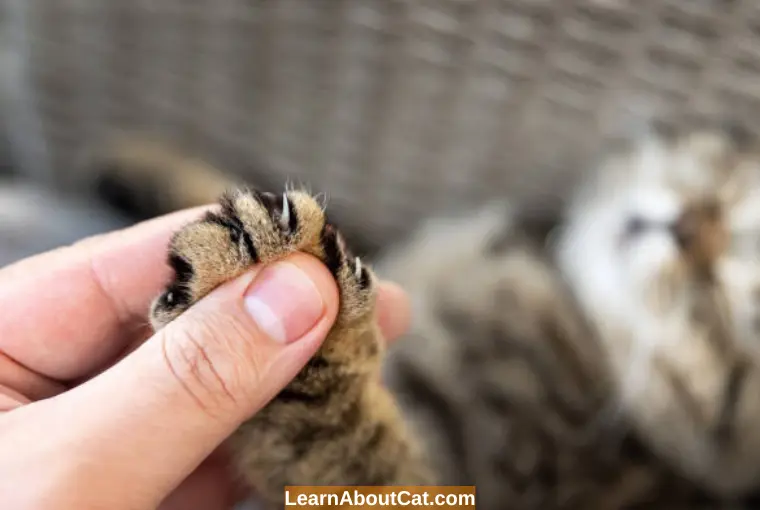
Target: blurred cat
[(603, 355)]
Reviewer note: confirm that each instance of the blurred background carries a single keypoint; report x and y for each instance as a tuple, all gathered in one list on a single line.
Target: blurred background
[(398, 109)]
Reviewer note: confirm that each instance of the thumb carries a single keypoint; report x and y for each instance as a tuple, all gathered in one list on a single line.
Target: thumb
[(152, 418)]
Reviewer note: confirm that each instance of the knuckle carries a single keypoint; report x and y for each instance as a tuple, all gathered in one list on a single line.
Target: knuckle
[(214, 361)]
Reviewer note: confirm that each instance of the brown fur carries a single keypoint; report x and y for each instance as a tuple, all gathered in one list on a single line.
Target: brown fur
[(145, 177), (515, 369), (334, 423), (528, 397)]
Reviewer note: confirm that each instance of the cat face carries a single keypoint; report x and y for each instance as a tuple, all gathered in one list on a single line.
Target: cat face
[(662, 249)]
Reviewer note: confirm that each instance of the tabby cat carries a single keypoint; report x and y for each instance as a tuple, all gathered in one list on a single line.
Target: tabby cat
[(603, 357)]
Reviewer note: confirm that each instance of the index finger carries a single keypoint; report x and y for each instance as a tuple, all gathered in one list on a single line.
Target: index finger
[(67, 312)]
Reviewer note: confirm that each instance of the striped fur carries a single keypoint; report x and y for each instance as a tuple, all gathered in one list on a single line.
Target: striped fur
[(334, 423), (600, 356)]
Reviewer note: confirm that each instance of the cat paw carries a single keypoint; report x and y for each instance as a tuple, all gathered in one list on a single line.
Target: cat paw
[(253, 227), (334, 423)]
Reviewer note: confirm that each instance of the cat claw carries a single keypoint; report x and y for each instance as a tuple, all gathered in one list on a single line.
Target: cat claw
[(284, 220)]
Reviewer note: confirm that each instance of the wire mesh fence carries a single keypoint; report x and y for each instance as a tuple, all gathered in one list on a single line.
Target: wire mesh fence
[(397, 109)]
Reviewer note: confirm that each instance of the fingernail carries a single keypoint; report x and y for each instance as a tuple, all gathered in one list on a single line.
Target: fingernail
[(284, 302)]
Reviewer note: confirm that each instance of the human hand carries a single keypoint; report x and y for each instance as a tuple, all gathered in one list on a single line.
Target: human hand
[(94, 416)]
